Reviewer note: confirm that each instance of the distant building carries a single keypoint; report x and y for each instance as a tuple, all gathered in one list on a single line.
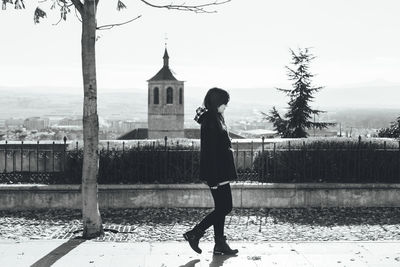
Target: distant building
[(14, 123), (124, 126), (142, 133), (71, 122), (36, 123), (259, 133), (165, 104), (165, 109), (322, 133)]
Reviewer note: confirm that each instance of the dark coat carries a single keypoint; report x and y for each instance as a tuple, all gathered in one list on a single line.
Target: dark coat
[(216, 155)]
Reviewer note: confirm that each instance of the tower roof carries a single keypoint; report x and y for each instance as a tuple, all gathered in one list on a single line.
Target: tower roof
[(164, 73), (166, 57)]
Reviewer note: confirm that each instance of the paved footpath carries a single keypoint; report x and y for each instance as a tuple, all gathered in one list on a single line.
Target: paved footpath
[(78, 252)]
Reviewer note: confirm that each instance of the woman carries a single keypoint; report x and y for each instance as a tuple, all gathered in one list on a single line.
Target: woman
[(217, 168)]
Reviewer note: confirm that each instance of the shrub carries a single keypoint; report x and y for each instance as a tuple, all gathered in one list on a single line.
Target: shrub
[(149, 163), (330, 160)]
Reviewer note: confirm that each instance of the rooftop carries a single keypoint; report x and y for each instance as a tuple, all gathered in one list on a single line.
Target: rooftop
[(164, 73)]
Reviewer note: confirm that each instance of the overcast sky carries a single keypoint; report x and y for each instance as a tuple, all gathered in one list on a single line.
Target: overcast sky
[(246, 44)]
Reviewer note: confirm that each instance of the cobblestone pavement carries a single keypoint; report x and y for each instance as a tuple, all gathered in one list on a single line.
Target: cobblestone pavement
[(149, 224)]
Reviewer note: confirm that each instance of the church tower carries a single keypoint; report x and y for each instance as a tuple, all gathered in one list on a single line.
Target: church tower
[(165, 104)]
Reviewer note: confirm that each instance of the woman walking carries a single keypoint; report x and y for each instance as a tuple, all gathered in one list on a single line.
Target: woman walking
[(217, 168)]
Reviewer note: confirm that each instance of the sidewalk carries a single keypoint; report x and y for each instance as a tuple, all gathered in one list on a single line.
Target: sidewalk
[(77, 252)]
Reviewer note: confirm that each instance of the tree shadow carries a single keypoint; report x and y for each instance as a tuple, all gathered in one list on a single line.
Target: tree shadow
[(218, 260), (336, 216), (58, 253), (191, 263)]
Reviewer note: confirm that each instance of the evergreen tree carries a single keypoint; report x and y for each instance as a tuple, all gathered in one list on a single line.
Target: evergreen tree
[(393, 131), (298, 118)]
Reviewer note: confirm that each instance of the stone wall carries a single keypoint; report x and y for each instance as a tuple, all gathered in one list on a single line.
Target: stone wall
[(198, 195)]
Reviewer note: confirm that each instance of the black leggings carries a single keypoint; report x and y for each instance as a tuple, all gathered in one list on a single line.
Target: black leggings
[(223, 206)]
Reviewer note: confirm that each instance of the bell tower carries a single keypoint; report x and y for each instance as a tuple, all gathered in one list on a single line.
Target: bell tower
[(165, 104)]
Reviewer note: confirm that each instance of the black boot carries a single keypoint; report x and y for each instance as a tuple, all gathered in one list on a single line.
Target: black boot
[(222, 248), (193, 236)]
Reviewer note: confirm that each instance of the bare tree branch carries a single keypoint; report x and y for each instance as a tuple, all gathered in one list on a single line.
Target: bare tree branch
[(193, 8), (55, 24), (107, 27)]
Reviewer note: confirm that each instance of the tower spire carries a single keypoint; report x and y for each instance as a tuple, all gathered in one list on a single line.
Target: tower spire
[(166, 58)]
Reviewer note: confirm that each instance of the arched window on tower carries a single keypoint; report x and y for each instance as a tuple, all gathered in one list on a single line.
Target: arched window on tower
[(180, 95), (156, 96), (169, 95)]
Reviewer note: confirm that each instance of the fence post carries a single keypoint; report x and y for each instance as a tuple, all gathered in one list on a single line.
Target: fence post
[(13, 160), (53, 155), (237, 153), (44, 163), (251, 154), (304, 160), (359, 152), (29, 160), (274, 162), (123, 159), (37, 156), (372, 162), (108, 146), (165, 158), (155, 158), (262, 159), (185, 176), (288, 172), (398, 154), (64, 153), (348, 162), (5, 156), (77, 148), (384, 153), (22, 152), (192, 163)]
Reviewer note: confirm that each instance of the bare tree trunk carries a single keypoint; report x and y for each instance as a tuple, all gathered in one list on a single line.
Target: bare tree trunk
[(92, 225)]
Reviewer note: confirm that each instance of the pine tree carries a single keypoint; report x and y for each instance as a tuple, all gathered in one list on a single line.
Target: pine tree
[(393, 131), (298, 118)]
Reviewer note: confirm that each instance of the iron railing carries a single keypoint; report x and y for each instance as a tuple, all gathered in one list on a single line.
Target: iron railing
[(162, 163)]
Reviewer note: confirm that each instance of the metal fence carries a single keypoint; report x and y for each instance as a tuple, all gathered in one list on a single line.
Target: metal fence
[(154, 163), (21, 162)]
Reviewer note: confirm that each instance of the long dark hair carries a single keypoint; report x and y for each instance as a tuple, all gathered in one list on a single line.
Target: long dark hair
[(214, 98)]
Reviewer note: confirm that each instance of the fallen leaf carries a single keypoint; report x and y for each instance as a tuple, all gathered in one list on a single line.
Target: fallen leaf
[(254, 258)]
